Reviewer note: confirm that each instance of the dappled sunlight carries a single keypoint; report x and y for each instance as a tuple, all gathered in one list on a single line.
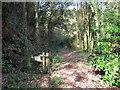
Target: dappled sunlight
[(72, 56), (69, 54), (60, 44), (77, 74)]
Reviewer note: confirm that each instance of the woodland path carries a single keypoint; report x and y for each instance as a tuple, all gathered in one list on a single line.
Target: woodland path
[(75, 72)]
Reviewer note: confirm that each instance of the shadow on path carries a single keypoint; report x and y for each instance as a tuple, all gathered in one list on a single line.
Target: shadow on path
[(76, 73)]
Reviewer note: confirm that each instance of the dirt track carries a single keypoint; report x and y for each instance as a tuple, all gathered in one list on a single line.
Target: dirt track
[(76, 73)]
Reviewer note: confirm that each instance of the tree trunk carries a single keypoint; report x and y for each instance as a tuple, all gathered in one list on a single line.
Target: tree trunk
[(36, 26), (94, 8), (25, 36)]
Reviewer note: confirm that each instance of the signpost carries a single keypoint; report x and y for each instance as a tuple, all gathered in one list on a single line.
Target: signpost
[(43, 58)]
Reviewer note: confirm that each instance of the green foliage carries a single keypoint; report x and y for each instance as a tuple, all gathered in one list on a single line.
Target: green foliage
[(17, 47), (64, 41), (60, 42), (104, 48), (7, 66), (106, 59), (109, 64), (56, 61), (56, 81), (15, 52), (21, 80)]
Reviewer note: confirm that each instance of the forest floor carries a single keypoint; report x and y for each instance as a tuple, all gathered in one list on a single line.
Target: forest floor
[(75, 72)]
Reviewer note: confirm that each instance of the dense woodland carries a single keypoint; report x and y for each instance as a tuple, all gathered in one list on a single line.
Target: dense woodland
[(30, 28)]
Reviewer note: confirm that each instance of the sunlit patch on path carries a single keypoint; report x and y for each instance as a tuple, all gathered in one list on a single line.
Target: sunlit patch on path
[(76, 73)]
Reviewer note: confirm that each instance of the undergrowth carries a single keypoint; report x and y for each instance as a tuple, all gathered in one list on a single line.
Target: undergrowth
[(56, 81), (22, 80), (108, 63)]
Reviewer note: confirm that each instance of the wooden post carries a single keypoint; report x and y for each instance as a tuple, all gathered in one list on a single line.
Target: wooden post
[(43, 61), (47, 62)]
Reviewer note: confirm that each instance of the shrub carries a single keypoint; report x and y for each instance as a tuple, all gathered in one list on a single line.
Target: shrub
[(21, 80), (56, 81), (56, 61)]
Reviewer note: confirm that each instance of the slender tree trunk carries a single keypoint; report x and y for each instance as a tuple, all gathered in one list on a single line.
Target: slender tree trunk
[(36, 25), (94, 8), (49, 27), (77, 42), (85, 41)]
